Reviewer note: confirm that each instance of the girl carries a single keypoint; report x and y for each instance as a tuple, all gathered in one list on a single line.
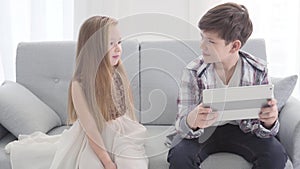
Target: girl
[(104, 134)]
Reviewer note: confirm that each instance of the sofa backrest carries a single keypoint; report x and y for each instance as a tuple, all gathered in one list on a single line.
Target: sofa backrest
[(154, 70), (161, 65), (46, 68)]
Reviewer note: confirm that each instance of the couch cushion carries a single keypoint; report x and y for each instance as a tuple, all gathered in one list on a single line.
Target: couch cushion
[(3, 131), (58, 130), (283, 88), (256, 47), (4, 157), (228, 160), (231, 161), (162, 63), (22, 112), (155, 146), (45, 68)]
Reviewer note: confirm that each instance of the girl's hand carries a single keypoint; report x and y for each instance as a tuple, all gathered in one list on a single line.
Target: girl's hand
[(269, 115), (110, 165)]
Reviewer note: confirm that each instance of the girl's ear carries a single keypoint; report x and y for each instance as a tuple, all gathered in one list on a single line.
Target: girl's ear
[(236, 45)]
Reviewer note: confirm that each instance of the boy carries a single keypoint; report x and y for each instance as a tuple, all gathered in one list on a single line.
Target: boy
[(224, 30)]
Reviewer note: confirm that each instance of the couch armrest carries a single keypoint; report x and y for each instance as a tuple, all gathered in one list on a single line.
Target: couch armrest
[(289, 132)]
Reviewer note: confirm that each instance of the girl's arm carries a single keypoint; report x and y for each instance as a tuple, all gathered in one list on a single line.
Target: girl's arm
[(102, 155), (89, 125)]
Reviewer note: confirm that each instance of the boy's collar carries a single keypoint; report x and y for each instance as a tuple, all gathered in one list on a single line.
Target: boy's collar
[(258, 63), (200, 66)]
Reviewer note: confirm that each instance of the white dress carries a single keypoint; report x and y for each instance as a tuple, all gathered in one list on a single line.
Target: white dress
[(122, 137), (71, 150)]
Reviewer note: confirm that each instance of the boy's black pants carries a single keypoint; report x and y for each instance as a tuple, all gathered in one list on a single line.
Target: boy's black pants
[(263, 153)]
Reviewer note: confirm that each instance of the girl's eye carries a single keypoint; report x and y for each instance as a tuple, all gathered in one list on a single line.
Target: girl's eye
[(111, 43), (119, 42), (211, 41)]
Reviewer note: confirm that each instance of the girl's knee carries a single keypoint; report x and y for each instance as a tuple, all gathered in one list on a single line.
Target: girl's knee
[(132, 163)]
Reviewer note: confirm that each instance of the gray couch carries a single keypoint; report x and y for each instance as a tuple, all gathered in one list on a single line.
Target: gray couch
[(154, 68)]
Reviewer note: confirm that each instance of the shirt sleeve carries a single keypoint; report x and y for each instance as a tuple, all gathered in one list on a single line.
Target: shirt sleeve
[(254, 125), (188, 99), (266, 133)]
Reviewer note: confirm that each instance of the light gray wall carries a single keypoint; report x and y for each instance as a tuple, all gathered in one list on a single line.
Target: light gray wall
[(185, 12)]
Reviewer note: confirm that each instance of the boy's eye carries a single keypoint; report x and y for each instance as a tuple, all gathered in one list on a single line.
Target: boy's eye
[(211, 41), (111, 43), (119, 42)]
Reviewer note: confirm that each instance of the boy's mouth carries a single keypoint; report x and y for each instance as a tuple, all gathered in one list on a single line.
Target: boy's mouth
[(205, 54)]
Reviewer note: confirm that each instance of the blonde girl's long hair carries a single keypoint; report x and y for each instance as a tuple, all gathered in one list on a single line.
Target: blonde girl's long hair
[(94, 72)]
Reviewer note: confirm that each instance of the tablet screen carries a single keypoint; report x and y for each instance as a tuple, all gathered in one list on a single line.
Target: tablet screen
[(235, 103)]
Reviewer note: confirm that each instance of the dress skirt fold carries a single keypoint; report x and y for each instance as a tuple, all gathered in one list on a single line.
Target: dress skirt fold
[(123, 139)]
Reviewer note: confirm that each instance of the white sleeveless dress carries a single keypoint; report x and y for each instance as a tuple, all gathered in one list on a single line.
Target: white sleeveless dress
[(71, 150), (123, 139)]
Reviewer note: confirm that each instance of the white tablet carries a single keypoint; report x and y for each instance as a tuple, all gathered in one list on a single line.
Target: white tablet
[(236, 103)]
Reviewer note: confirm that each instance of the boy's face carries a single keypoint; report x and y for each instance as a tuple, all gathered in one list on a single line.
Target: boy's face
[(214, 48)]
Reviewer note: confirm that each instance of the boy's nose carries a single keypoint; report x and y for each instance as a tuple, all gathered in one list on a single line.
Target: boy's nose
[(202, 45)]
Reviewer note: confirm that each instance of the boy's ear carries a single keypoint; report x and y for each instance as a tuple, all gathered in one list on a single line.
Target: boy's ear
[(236, 45)]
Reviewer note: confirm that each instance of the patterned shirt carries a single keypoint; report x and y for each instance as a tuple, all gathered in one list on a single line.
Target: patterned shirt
[(118, 95), (198, 76)]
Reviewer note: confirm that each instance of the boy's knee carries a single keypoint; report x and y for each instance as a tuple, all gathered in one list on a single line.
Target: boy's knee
[(276, 159), (177, 152), (186, 150)]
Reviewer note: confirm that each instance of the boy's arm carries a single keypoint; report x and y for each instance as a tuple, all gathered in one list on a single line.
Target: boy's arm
[(88, 124), (263, 131), (188, 99), (256, 126), (268, 120)]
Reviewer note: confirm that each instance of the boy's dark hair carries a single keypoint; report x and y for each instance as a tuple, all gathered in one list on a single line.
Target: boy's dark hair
[(229, 20)]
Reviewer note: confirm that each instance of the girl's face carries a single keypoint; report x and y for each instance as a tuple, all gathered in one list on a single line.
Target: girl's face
[(115, 48)]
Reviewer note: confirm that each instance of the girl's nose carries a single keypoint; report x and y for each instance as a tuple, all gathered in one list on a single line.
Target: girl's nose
[(118, 47)]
